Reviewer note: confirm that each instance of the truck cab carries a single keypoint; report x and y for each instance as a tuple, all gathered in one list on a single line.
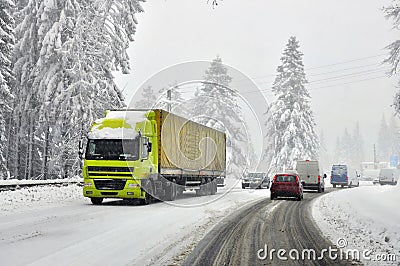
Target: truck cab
[(119, 154)]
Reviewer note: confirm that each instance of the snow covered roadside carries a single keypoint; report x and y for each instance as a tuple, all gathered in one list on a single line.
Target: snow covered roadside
[(364, 218), (34, 198)]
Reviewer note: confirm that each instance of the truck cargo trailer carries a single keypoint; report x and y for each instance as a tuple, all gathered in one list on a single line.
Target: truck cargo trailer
[(147, 154)]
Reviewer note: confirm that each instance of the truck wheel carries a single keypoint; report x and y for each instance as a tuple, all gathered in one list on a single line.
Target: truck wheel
[(179, 192), (170, 193), (342, 186), (147, 199), (207, 190), (96, 201), (334, 185), (299, 198), (319, 189), (213, 187), (203, 188), (351, 184)]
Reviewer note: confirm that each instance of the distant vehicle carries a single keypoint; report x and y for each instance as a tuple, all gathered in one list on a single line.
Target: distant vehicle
[(341, 176), (370, 174), (389, 176), (286, 185), (375, 181), (308, 172), (353, 178), (255, 180), (367, 178)]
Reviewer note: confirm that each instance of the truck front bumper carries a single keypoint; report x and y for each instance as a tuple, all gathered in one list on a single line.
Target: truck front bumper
[(131, 190)]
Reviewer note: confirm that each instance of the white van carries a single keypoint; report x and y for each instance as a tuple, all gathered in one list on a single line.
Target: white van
[(309, 175), (389, 176), (353, 178)]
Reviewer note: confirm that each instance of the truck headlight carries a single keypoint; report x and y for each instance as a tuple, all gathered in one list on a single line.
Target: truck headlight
[(87, 184), (133, 185)]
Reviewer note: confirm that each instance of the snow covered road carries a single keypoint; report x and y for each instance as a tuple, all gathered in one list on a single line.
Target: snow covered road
[(56, 225)]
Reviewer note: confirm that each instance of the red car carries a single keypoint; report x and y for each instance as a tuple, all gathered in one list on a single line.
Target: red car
[(286, 185)]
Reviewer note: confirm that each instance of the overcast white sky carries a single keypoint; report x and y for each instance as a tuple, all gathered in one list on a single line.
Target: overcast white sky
[(343, 43)]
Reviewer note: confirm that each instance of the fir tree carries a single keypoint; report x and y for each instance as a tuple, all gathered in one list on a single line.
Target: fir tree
[(346, 148), (387, 139), (64, 58), (325, 159), (338, 151), (216, 106), (393, 12), (149, 98), (384, 141), (6, 79), (358, 148), (291, 122)]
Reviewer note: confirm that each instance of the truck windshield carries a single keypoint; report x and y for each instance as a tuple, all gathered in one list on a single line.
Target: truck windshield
[(112, 149)]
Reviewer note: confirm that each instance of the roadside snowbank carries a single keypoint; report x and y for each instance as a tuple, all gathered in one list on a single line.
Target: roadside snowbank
[(31, 198), (367, 217)]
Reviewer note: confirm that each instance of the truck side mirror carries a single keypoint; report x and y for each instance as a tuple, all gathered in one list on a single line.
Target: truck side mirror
[(80, 151), (324, 175), (149, 146)]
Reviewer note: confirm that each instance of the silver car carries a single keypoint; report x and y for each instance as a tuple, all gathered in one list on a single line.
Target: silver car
[(255, 180)]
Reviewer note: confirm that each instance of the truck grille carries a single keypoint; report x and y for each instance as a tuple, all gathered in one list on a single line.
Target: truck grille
[(109, 184), (109, 169)]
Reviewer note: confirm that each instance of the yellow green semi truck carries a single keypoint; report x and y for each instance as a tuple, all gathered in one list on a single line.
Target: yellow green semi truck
[(151, 154)]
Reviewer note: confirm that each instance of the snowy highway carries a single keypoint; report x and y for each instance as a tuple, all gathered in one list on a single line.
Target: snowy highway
[(59, 226), (56, 225)]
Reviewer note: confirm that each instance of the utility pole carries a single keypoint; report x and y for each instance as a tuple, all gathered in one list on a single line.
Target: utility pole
[(169, 97), (375, 166)]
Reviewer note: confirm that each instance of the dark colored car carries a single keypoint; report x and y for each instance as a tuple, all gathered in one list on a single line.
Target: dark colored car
[(286, 185), (255, 180)]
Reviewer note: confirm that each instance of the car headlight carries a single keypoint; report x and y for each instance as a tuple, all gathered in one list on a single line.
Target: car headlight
[(87, 184)]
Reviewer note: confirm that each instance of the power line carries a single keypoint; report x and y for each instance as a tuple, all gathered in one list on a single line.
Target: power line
[(328, 86), (356, 81), (344, 76), (349, 61), (324, 66), (350, 75)]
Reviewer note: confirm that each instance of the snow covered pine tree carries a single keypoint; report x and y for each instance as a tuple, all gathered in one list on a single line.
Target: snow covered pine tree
[(291, 124), (216, 106), (6, 78)]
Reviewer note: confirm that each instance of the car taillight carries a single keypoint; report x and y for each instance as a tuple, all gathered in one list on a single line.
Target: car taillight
[(347, 178), (297, 179), (319, 178)]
